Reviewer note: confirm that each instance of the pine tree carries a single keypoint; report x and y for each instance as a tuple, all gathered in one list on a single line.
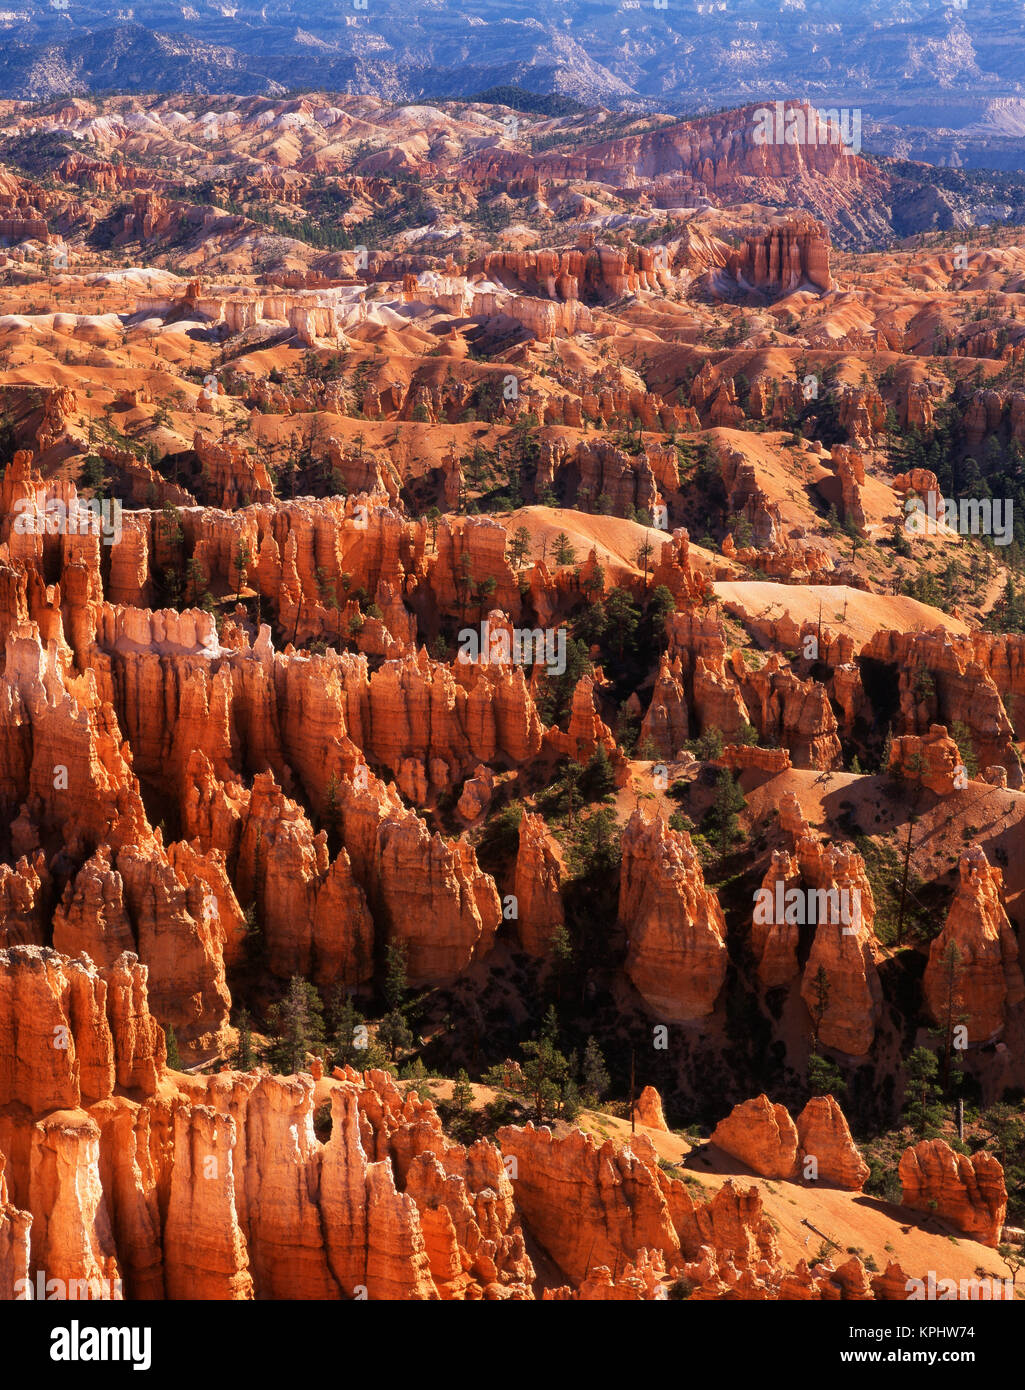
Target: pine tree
[(519, 546), (174, 1060), (242, 1058), (298, 1022), (951, 958), (560, 951), (242, 560), (331, 813), (545, 1069), (598, 779), (962, 736), (922, 1103), (820, 989), (394, 1034), (721, 817), (594, 1077), (644, 553), (887, 754), (346, 1020), (570, 1101), (565, 554), (462, 1093), (824, 1077), (395, 981), (709, 744)]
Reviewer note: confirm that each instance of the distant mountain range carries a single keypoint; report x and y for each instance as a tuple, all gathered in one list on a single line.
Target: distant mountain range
[(937, 82)]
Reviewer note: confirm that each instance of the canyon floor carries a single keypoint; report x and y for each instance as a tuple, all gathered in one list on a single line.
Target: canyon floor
[(511, 710)]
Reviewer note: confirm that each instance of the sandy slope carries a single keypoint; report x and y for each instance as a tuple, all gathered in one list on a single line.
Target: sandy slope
[(843, 609), (918, 1242), (615, 540)]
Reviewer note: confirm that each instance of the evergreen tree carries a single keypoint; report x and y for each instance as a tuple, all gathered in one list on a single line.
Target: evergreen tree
[(643, 559), (886, 755), (462, 1093), (598, 780), (394, 1034), (824, 1077), (721, 819), (560, 951), (597, 849), (351, 1044), (660, 606), (545, 1069), (298, 1023), (820, 990), (622, 616), (331, 813), (962, 736), (709, 744), (922, 1093), (565, 554), (594, 1077), (243, 1059), (395, 982), (254, 942), (951, 959), (241, 561), (519, 547), (569, 1101)]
